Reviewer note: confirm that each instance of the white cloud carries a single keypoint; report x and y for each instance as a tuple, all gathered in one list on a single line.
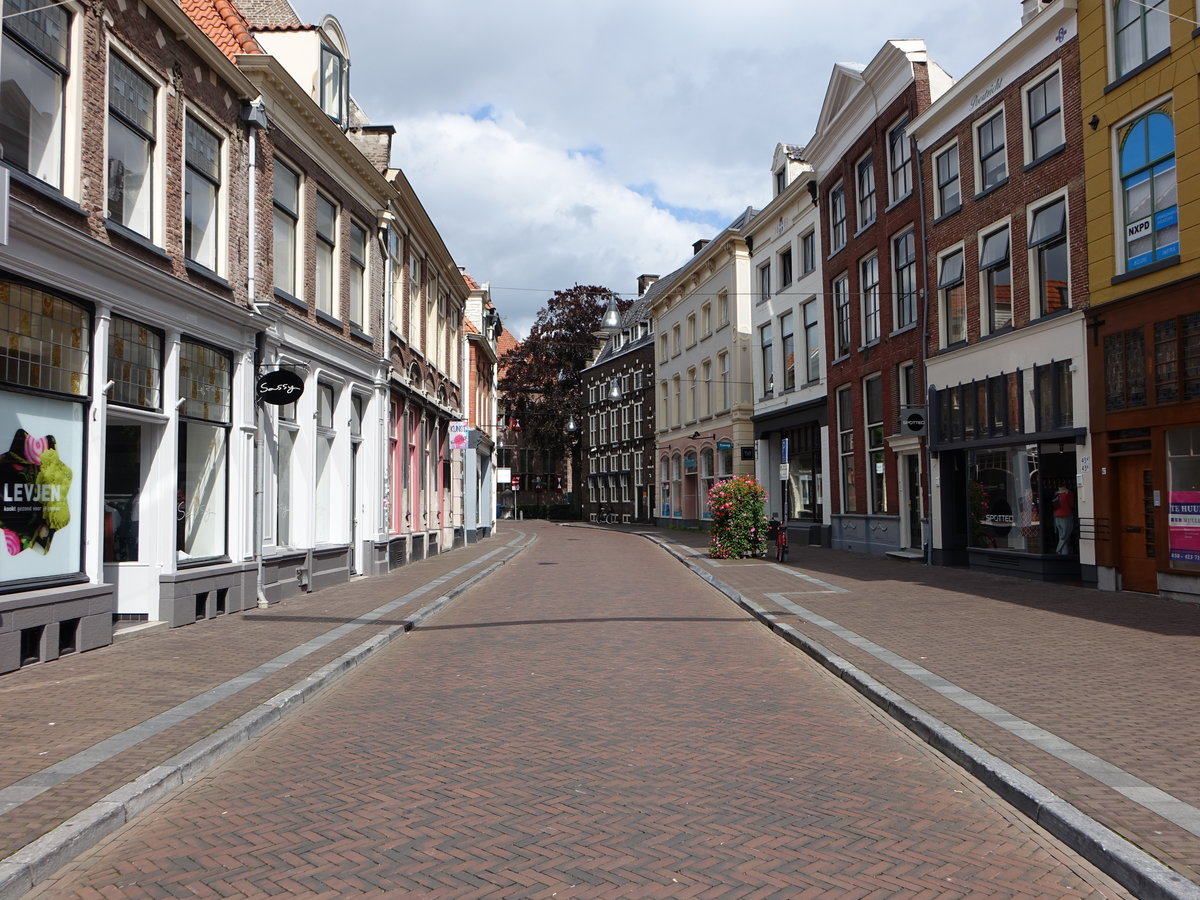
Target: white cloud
[(601, 115)]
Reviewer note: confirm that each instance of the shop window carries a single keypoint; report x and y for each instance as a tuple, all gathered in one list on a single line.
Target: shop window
[(1004, 502), (1125, 370), (1053, 396), (44, 350), (135, 354), (1183, 481), (204, 386), (707, 480), (34, 68), (1177, 359), (677, 486)]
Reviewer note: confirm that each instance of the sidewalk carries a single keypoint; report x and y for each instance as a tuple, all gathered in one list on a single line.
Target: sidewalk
[(1092, 695), (93, 739)]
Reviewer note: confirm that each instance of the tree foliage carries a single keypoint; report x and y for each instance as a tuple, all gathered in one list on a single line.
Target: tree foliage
[(541, 378)]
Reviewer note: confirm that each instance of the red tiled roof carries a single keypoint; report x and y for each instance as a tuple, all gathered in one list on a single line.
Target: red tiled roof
[(470, 327), (471, 282), (224, 24)]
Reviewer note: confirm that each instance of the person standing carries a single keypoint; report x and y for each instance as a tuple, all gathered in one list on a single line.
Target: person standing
[(1064, 517)]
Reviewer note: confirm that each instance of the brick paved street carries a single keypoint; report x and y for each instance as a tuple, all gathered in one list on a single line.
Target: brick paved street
[(590, 721)]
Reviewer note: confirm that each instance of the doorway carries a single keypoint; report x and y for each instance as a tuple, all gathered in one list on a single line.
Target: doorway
[(914, 540), (131, 551), (1135, 524)]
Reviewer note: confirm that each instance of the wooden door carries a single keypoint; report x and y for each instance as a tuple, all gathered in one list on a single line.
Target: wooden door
[(1135, 524)]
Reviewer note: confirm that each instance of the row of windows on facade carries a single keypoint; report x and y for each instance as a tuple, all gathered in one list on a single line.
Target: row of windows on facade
[(675, 346), (617, 385), (616, 425), (34, 71), (700, 393)]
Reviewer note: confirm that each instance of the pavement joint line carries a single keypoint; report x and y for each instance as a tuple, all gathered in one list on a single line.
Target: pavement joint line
[(42, 857), (1138, 871)]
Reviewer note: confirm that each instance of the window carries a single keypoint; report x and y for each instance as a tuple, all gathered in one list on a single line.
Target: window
[(663, 351), (837, 218), (707, 480), (869, 289), (723, 371), (780, 181), (906, 378), (706, 388), (286, 200), (706, 320), (904, 264), (358, 275), (1183, 486), (326, 249), (693, 397), (845, 424), (131, 135), (675, 333), (415, 288), (952, 288), (993, 166), (1053, 402), (33, 75), (841, 315), (996, 269), (949, 193), (676, 401), (205, 379), (873, 403), (333, 90), (1147, 159), (1125, 370), (808, 252), (1141, 30), (768, 362), (764, 282), (722, 308), (899, 161), (1045, 117), (785, 268), (135, 359), (787, 340), (326, 481), (812, 341), (1177, 359), (1048, 242), (866, 192), (202, 187)]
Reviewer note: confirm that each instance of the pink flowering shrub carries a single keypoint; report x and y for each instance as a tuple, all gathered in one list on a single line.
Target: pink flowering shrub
[(738, 529)]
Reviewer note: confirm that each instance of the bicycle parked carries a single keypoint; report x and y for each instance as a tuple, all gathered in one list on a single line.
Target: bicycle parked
[(777, 536)]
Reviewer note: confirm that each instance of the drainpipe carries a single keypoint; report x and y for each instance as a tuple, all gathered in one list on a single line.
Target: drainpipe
[(924, 331)]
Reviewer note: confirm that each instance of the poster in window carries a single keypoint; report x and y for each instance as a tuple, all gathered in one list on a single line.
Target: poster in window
[(1184, 525), (41, 496)]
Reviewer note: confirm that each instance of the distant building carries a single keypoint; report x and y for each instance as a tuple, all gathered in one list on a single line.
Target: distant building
[(483, 329), (618, 477)]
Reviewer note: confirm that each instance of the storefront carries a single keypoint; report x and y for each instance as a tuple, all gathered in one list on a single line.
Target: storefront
[(791, 447), (1010, 478), (47, 608), (1146, 365)]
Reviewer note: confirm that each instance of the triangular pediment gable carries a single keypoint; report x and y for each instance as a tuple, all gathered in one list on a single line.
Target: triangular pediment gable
[(845, 84)]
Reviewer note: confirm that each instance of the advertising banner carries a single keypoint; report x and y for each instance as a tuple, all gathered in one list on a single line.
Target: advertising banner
[(459, 434), (1184, 526), (41, 497)]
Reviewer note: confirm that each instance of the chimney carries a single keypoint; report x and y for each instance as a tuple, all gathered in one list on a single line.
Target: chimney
[(699, 245), (644, 281), (1030, 8)]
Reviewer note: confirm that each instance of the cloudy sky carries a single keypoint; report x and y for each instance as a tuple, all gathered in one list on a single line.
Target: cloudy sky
[(561, 142)]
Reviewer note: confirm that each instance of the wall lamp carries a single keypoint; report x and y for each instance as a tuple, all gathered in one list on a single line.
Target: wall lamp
[(698, 436)]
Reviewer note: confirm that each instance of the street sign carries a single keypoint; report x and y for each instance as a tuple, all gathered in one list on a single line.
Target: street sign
[(724, 444)]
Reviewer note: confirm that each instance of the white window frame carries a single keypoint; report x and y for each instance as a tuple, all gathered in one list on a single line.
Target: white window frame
[(220, 218), (898, 320), (841, 317), (157, 158), (987, 324), (870, 313), (978, 127), (900, 166), (940, 207), (359, 306), (330, 242), (1030, 125), (1037, 305), (865, 195), (943, 296), (837, 218)]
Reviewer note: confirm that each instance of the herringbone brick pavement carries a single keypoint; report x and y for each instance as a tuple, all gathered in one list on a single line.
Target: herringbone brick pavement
[(591, 722)]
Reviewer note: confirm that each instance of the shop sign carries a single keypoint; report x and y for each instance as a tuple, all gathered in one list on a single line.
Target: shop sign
[(40, 493), (458, 435), (279, 388), (1183, 517), (724, 444), (504, 475)]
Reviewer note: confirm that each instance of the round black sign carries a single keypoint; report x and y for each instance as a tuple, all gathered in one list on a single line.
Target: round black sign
[(915, 422), (279, 388)]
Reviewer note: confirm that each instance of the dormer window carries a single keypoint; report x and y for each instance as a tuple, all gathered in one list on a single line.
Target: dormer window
[(333, 85), (780, 181)]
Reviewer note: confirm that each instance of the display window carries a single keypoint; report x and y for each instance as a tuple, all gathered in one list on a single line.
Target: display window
[(45, 358), (203, 463), (1183, 480), (1023, 498)]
